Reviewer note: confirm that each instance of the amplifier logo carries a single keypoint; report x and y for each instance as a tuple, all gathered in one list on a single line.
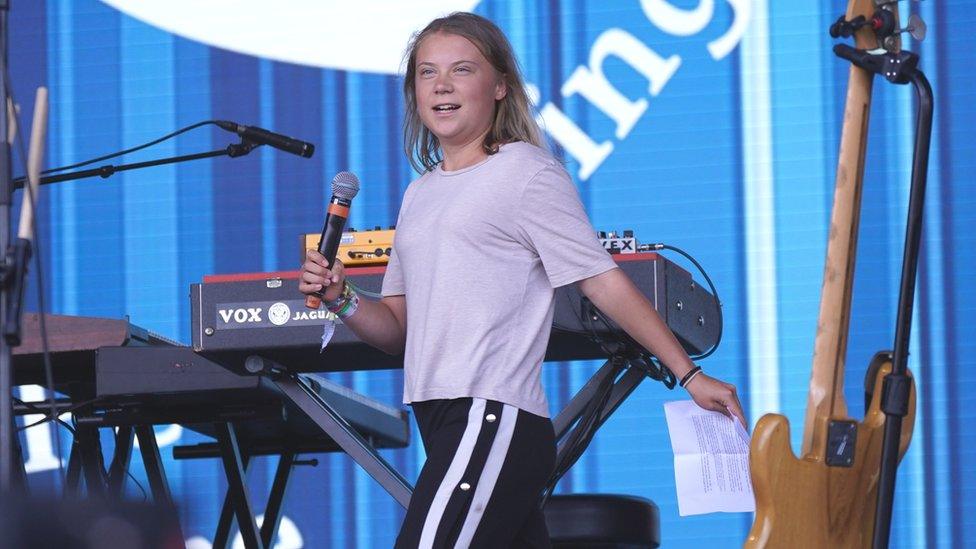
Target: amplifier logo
[(619, 245), (318, 314), (279, 313), (268, 314), (241, 315)]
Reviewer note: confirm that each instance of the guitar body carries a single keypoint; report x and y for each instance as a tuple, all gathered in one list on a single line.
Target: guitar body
[(806, 503)]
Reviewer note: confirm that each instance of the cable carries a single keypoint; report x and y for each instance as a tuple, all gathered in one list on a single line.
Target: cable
[(586, 427), (634, 352), (145, 496), (591, 418), (623, 344), (133, 149), (653, 368), (37, 252), (588, 422), (56, 417), (711, 287), (610, 327), (47, 420), (625, 353)]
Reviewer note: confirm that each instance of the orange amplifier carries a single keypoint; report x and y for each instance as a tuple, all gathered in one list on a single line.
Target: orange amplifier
[(358, 247)]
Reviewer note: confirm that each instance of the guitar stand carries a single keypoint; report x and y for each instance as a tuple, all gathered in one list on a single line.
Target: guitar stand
[(900, 68)]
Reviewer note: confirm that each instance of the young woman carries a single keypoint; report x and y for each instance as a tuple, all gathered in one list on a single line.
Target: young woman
[(484, 236)]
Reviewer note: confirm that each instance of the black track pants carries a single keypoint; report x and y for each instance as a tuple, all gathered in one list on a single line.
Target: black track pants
[(487, 464)]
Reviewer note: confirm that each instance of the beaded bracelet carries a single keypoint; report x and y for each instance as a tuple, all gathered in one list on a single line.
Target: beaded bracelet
[(689, 376)]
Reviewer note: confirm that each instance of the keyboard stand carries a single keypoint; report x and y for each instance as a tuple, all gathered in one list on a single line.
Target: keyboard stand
[(237, 503), (363, 453), (234, 468), (623, 386), (303, 395), (235, 459), (333, 424)]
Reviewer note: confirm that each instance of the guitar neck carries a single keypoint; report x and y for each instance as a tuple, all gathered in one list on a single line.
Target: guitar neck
[(826, 396)]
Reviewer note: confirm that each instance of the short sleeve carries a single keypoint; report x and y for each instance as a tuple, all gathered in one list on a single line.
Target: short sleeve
[(393, 279), (552, 221)]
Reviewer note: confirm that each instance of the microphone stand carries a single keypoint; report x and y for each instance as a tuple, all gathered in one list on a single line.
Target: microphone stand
[(13, 267), (233, 150), (7, 431)]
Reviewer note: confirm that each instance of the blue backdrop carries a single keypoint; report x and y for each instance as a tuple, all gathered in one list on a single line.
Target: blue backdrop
[(728, 151)]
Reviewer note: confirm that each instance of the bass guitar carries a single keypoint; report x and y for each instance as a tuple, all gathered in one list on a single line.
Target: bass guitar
[(827, 497)]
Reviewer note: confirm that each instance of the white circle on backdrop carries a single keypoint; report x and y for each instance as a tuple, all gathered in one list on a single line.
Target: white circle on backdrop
[(362, 36)]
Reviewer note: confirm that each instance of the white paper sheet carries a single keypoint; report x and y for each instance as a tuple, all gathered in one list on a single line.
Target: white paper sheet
[(711, 460)]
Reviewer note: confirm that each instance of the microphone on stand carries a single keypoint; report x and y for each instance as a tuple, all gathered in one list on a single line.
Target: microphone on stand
[(345, 186), (261, 136)]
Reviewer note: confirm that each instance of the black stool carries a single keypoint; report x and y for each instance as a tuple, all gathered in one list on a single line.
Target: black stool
[(602, 521)]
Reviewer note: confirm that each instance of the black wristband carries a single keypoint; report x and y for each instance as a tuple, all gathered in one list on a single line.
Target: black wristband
[(687, 377)]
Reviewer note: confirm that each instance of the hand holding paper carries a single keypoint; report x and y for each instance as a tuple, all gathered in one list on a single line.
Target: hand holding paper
[(711, 460)]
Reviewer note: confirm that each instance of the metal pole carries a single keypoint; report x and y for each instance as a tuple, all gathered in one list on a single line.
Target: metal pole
[(7, 432), (897, 386)]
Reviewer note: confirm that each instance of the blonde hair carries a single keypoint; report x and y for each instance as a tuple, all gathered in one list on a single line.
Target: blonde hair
[(513, 119)]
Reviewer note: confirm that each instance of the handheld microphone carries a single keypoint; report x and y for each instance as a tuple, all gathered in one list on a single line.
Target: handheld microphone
[(261, 136), (345, 186)]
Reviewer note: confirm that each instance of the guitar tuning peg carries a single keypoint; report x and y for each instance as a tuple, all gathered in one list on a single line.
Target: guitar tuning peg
[(916, 27), (842, 28)]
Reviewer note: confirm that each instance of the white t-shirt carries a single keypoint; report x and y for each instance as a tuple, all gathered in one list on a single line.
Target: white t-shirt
[(477, 254)]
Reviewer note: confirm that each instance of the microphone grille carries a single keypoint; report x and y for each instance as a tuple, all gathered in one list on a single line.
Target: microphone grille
[(345, 185)]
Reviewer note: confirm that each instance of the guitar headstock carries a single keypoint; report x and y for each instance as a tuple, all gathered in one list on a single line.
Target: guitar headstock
[(878, 39), (884, 22), (874, 25)]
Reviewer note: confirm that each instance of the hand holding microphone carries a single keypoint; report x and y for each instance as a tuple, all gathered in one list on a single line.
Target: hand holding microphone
[(316, 277), (318, 281)]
